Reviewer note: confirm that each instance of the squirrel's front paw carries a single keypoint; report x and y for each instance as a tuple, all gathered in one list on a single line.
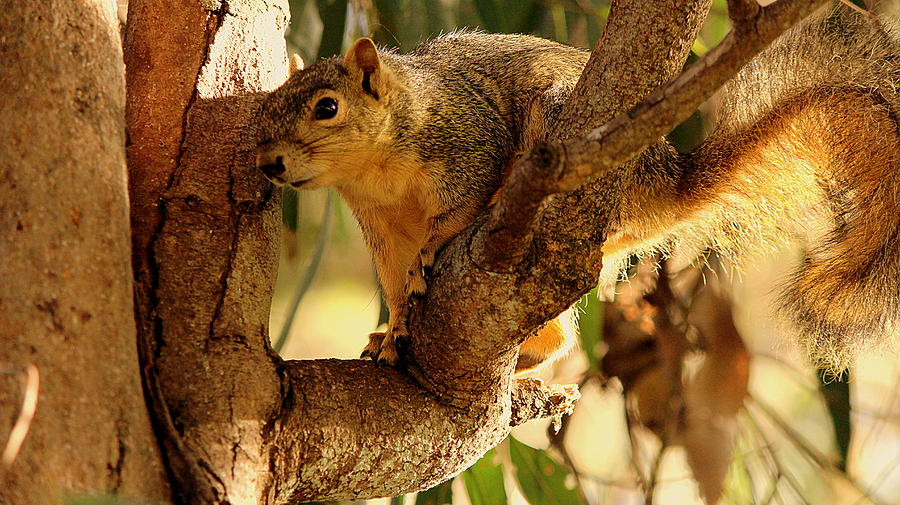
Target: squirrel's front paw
[(382, 346)]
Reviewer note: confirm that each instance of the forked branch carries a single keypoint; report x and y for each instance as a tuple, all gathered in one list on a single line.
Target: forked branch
[(506, 237)]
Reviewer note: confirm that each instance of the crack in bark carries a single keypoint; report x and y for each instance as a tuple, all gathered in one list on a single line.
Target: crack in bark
[(180, 469), (213, 23), (217, 493), (234, 445), (234, 217), (51, 308), (115, 471), (234, 220)]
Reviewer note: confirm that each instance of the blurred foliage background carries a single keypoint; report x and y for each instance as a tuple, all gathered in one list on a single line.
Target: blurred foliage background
[(800, 439)]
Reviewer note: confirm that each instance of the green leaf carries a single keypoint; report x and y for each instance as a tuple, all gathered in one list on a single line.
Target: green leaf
[(442, 494), (384, 314), (484, 481), (690, 133), (528, 21), (400, 24), (541, 479), (510, 16), (836, 392), (558, 20), (739, 481), (590, 327), (305, 31), (334, 20), (439, 17)]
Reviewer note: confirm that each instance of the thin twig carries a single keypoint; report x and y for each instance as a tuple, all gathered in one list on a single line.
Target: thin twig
[(879, 479), (557, 440), (653, 476), (673, 345), (745, 467), (886, 412), (766, 456), (635, 460), (781, 470), (805, 448), (858, 9), (762, 449)]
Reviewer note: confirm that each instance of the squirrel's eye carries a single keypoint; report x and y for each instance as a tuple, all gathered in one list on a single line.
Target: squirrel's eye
[(326, 108)]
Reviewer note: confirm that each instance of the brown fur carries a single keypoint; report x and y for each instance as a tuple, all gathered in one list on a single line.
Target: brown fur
[(806, 146)]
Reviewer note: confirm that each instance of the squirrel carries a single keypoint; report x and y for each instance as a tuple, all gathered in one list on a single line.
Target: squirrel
[(807, 145)]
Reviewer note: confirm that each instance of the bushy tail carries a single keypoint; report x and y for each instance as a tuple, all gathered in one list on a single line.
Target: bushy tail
[(808, 144)]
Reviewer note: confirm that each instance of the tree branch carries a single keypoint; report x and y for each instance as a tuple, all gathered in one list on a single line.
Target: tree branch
[(532, 399), (350, 429), (505, 240)]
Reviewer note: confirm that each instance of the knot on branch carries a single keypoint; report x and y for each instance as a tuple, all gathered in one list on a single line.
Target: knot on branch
[(504, 240), (742, 11), (542, 166), (532, 399)]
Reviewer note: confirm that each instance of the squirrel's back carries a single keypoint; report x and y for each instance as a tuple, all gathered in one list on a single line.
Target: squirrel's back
[(478, 98)]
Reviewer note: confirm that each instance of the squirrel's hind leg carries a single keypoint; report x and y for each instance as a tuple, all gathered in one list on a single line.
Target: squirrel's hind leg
[(550, 343)]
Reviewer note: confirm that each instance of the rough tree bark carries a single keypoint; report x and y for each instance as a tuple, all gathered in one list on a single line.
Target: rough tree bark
[(65, 280), (205, 236)]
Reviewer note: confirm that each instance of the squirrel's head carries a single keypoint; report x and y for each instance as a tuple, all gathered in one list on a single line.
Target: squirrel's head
[(322, 126)]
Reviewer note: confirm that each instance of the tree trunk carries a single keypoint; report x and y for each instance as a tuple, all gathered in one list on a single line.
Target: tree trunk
[(205, 235), (65, 280)]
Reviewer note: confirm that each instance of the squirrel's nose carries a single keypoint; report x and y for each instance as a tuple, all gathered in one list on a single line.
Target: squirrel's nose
[(273, 169)]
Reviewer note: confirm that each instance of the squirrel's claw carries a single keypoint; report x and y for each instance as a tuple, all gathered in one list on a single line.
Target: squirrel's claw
[(373, 348), (388, 356), (382, 348)]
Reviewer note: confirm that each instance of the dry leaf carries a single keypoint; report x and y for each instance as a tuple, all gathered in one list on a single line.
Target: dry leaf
[(649, 399), (713, 399)]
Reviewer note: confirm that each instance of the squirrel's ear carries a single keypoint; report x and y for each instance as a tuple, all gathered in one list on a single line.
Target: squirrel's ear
[(363, 55), (295, 64), (363, 58)]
